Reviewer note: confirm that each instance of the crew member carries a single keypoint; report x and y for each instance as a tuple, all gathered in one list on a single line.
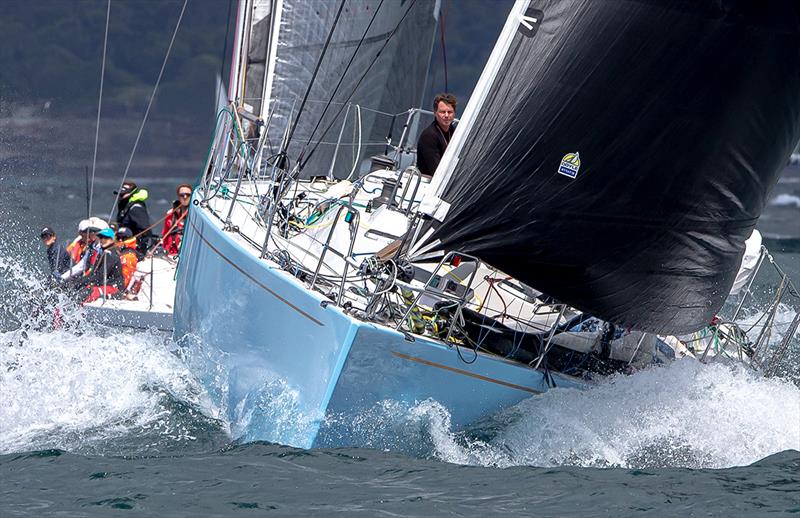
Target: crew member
[(175, 219), (132, 213), (105, 277), (91, 251), (57, 255), (78, 245), (254, 127), (128, 256), (434, 139)]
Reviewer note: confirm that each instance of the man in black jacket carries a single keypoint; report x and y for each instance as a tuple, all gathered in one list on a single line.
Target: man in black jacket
[(57, 255), (132, 213), (434, 139)]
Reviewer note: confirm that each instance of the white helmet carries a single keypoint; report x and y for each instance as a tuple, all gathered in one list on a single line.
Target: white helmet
[(98, 223), (83, 226)]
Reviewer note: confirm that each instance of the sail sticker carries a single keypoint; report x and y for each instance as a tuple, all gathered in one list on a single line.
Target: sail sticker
[(530, 21), (570, 165)]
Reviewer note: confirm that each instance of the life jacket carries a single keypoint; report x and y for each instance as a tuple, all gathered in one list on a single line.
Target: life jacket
[(172, 232), (107, 269), (128, 243), (137, 198), (127, 256), (76, 249), (92, 255), (133, 214)]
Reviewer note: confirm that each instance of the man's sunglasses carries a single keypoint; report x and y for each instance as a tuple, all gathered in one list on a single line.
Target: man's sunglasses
[(185, 194)]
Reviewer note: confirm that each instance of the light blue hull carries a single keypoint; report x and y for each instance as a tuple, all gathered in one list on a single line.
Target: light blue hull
[(286, 369)]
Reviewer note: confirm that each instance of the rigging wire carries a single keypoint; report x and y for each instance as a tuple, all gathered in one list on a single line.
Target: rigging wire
[(442, 22), (314, 75), (356, 142), (99, 109), (302, 161), (344, 73), (88, 196), (149, 105)]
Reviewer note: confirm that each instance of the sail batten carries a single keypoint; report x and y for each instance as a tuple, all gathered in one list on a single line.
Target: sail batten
[(624, 151)]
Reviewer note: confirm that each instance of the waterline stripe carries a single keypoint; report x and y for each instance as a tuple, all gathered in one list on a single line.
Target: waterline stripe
[(466, 373)]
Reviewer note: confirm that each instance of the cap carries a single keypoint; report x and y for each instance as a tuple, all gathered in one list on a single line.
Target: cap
[(96, 223), (126, 188), (106, 232), (124, 233), (47, 232), (83, 226)]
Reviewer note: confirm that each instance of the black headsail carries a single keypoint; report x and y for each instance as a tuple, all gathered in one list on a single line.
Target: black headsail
[(623, 151)]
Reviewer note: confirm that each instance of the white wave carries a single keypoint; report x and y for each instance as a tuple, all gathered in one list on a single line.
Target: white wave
[(82, 385), (60, 389), (785, 200), (752, 320), (687, 414), (271, 412), (64, 390), (415, 429), (14, 272)]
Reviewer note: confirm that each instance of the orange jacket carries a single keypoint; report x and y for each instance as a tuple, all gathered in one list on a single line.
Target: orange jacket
[(127, 256), (76, 249)]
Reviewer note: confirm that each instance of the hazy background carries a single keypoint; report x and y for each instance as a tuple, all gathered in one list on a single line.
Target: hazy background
[(50, 61)]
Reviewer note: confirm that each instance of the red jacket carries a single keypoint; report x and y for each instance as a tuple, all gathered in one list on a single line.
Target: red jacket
[(173, 230)]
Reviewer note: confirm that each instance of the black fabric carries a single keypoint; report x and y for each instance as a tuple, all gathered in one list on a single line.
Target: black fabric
[(430, 147), (135, 217), (58, 258), (107, 270), (683, 114)]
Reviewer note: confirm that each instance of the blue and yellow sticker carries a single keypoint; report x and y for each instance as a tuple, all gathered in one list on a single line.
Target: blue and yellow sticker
[(570, 165)]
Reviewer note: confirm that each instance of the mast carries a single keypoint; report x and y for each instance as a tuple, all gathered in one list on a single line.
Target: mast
[(272, 50), (239, 60)]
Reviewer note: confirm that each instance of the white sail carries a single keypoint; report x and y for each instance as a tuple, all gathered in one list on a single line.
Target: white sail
[(374, 56), (750, 262), (252, 52)]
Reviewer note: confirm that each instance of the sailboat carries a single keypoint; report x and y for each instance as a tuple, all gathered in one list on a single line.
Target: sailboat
[(596, 197), (150, 307)]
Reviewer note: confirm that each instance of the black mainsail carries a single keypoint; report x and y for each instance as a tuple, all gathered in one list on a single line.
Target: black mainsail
[(622, 151)]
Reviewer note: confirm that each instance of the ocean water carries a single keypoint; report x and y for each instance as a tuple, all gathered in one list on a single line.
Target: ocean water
[(96, 421)]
